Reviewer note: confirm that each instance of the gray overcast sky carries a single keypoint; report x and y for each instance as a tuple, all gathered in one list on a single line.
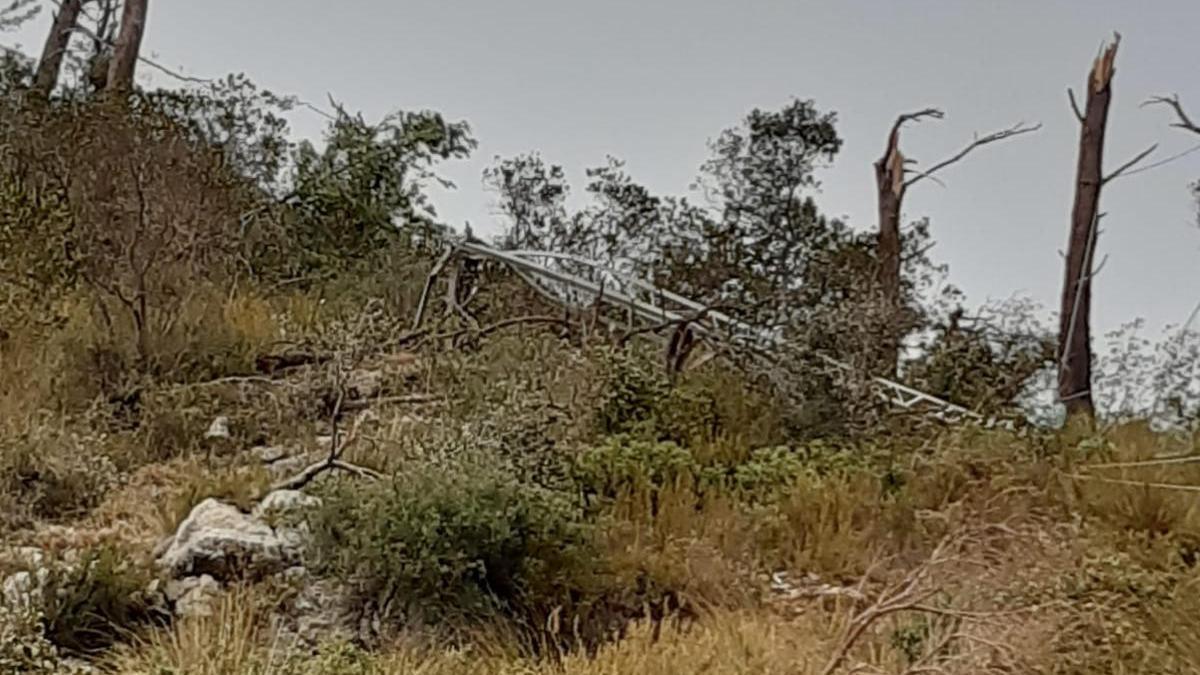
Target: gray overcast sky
[(652, 81)]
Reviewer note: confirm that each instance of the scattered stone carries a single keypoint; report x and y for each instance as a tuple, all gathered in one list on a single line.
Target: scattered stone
[(269, 454), (281, 503), (364, 384), (24, 588), (193, 597), (219, 428), (219, 540)]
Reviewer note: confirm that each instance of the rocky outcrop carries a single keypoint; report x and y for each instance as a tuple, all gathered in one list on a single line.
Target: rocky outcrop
[(221, 541)]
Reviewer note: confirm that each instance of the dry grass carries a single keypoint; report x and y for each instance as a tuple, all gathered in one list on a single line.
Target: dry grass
[(232, 641)]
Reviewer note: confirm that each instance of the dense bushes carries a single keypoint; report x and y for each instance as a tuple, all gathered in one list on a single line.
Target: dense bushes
[(459, 536)]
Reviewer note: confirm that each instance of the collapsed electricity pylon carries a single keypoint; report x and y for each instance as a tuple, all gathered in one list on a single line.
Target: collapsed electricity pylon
[(578, 283)]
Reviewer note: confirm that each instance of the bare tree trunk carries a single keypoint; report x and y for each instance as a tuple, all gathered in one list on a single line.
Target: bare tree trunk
[(55, 48), (890, 187), (1074, 333), (125, 51)]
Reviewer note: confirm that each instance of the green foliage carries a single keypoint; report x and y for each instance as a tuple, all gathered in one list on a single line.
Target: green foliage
[(16, 71), (910, 639), (534, 198), (985, 361), (37, 267), (767, 472), (366, 187), (49, 474), (452, 537), (626, 464), (338, 658), (634, 391), (237, 117), (623, 463), (93, 603)]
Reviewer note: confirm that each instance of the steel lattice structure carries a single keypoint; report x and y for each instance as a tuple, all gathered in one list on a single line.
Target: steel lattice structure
[(580, 283)]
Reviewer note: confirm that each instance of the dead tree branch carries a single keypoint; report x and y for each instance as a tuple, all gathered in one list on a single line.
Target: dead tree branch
[(1182, 120), (500, 325), (912, 594), (337, 443), (1129, 165), (1074, 105), (429, 281), (996, 136)]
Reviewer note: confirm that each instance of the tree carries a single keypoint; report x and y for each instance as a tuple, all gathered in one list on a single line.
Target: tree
[(234, 115), (892, 181), (1074, 335), (127, 47), (752, 242), (55, 48), (533, 197), (365, 187)]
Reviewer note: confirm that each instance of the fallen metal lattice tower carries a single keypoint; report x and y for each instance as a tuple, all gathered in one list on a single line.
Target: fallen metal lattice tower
[(579, 283)]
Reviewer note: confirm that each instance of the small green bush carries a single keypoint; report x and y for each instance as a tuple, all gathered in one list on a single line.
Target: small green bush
[(462, 537), (633, 394), (52, 474), (626, 462), (95, 603)]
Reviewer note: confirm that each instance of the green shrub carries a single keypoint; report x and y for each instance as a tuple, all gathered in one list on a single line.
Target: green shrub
[(634, 391), (626, 462), (766, 472), (51, 474), (92, 604), (451, 538)]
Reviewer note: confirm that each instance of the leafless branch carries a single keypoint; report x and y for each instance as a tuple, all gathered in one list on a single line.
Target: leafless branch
[(1183, 121), (433, 273), (315, 469), (1157, 461), (1129, 165), (1015, 130), (1075, 105), (916, 117), (499, 325)]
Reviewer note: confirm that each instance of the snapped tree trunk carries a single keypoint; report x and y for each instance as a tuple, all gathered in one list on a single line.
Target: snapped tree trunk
[(892, 181), (125, 52), (1074, 333), (889, 182), (55, 48)]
